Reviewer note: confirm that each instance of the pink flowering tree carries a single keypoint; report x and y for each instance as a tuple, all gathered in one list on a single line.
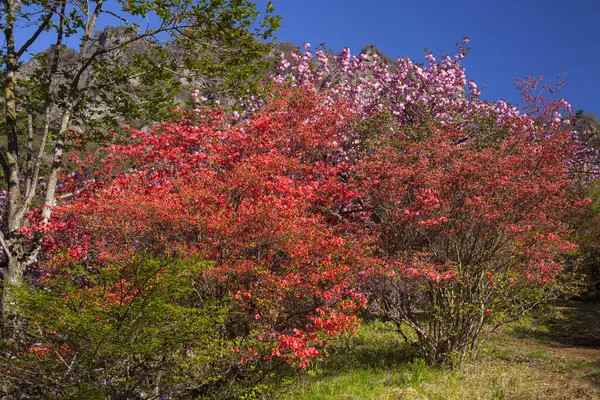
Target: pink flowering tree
[(464, 203), (407, 93)]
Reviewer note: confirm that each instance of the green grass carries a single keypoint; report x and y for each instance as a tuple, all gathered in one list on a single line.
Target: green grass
[(550, 357)]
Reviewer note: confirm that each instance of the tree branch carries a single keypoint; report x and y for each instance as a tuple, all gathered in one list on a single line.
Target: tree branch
[(5, 246), (45, 22)]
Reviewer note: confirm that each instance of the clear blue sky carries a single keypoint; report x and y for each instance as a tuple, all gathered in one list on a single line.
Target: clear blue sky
[(509, 38)]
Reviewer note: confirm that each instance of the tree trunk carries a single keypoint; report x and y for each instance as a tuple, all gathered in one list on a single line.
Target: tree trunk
[(12, 245), (56, 164), (12, 153), (13, 278), (19, 252)]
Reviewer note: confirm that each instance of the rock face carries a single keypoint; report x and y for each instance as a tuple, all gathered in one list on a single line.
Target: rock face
[(103, 101), (105, 40), (97, 83), (114, 35), (68, 56)]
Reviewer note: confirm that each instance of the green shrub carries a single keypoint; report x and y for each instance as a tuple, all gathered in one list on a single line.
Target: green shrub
[(147, 329)]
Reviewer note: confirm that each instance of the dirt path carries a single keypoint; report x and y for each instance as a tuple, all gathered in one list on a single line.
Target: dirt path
[(570, 333), (572, 328), (575, 331)]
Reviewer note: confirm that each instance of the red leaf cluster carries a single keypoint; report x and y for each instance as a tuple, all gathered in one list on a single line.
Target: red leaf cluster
[(251, 198)]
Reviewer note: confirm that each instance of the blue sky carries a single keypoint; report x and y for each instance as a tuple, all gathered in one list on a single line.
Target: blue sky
[(509, 38)]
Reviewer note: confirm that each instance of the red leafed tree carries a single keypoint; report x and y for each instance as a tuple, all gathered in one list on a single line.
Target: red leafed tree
[(468, 226), (252, 197)]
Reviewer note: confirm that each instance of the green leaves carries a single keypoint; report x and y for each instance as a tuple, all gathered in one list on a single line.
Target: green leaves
[(141, 327), (141, 71)]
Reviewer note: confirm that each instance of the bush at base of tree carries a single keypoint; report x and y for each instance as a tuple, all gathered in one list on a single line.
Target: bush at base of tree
[(464, 203), (150, 328)]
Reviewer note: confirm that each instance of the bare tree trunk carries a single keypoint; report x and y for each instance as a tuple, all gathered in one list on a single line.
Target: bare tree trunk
[(13, 277), (10, 162), (56, 164), (34, 164), (30, 155)]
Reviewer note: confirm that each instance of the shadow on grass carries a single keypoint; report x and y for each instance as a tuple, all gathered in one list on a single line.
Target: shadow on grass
[(376, 346), (573, 324)]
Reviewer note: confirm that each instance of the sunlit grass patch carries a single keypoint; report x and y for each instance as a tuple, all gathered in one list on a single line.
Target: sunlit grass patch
[(520, 362)]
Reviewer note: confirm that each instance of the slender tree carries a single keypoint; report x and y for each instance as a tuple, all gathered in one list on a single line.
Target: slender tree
[(59, 89)]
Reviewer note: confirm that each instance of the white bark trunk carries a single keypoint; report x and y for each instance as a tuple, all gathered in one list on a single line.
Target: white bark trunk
[(50, 200)]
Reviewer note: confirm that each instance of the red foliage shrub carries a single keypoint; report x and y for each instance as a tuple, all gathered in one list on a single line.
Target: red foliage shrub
[(251, 197), (469, 226), (450, 226)]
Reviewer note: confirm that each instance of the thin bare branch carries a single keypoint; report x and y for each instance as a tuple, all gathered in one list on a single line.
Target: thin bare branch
[(41, 28)]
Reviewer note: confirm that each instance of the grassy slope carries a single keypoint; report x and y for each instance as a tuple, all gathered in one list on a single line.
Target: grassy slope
[(556, 356)]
